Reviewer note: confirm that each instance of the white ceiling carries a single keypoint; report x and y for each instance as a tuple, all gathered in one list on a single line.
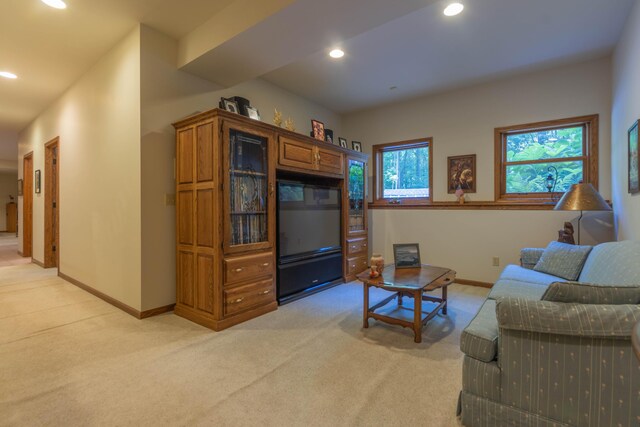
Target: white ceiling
[(424, 51), (410, 45)]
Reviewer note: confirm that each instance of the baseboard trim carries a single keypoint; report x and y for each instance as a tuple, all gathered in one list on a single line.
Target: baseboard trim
[(156, 311), (474, 283), (38, 263), (114, 302)]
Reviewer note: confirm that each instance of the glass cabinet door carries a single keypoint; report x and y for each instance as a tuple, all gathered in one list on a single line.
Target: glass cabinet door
[(248, 190), (356, 222)]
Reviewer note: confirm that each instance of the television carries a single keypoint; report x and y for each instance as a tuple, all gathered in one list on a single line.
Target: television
[(309, 220)]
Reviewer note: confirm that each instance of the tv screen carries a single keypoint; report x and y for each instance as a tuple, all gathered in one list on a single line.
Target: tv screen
[(308, 218)]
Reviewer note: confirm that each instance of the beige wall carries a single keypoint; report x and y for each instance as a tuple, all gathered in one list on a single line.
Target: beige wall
[(8, 187), (625, 111), (462, 122), (168, 95), (98, 122)]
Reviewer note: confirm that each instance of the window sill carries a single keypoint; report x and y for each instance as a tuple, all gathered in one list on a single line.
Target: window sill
[(488, 205)]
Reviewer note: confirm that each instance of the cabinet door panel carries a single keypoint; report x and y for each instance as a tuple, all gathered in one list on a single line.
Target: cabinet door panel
[(205, 218), (330, 161), (185, 164), (204, 152), (297, 154), (356, 186), (206, 293), (185, 217), (186, 278)]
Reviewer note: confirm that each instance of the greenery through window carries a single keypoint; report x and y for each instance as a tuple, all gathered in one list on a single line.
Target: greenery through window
[(529, 154), (403, 172)]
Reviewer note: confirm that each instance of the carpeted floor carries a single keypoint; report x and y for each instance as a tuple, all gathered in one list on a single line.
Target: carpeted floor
[(9, 250), (68, 358)]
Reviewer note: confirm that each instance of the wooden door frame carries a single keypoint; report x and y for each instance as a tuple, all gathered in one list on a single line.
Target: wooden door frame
[(27, 205), (51, 256)]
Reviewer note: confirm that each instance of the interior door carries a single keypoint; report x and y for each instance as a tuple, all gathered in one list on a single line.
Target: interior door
[(51, 203), (27, 205)]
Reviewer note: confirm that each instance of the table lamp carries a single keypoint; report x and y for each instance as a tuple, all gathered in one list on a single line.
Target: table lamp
[(582, 197)]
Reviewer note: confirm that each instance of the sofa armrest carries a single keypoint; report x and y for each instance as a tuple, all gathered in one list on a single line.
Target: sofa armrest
[(529, 257), (579, 320)]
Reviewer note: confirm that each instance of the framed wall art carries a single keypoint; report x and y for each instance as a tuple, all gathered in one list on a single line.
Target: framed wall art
[(461, 173), (634, 181), (37, 181), (406, 255), (317, 130), (20, 187)]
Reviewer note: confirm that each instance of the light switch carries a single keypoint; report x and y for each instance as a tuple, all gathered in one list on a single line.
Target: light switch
[(169, 199)]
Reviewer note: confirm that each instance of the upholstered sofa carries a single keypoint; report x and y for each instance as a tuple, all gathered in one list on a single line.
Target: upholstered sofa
[(542, 351)]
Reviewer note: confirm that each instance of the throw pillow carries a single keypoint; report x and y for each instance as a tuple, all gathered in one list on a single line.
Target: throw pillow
[(588, 293), (563, 260)]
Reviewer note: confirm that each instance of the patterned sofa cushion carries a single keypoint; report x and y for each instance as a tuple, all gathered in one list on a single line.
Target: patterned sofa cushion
[(563, 260), (480, 338), (521, 274), (587, 293), (513, 288), (613, 263)]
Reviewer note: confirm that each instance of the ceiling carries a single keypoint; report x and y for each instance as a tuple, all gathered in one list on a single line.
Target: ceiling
[(408, 44)]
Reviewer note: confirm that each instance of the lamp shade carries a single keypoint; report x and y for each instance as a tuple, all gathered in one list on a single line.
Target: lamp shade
[(582, 197)]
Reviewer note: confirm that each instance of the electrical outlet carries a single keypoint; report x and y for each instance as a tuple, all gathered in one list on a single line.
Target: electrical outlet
[(169, 199), (496, 261)]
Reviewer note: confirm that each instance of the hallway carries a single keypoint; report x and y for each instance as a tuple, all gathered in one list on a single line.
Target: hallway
[(9, 251)]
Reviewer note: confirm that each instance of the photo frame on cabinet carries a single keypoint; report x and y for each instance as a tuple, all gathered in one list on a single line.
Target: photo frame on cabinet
[(634, 167), (317, 129), (253, 113), (37, 182), (328, 135), (356, 146), (342, 142), (229, 105)]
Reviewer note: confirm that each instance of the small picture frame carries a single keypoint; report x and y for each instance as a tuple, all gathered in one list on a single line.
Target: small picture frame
[(328, 135), (230, 105), (342, 142), (406, 255), (634, 166), (461, 173), (37, 182), (20, 187), (356, 146), (253, 113), (317, 129)]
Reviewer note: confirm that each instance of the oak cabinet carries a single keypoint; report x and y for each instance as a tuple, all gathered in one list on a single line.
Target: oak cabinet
[(226, 212)]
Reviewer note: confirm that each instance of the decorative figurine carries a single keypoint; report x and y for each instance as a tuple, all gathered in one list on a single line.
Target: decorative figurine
[(277, 118), (374, 272), (460, 195), (378, 261), (288, 124), (566, 235)]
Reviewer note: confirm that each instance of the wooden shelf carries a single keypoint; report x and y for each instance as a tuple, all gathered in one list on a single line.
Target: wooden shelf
[(249, 213), (251, 173)]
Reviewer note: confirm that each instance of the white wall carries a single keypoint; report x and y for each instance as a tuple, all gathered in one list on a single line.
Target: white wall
[(168, 95), (463, 122), (8, 187), (625, 111), (98, 122)]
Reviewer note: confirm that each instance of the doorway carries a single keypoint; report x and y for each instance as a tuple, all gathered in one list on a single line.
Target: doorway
[(27, 205), (51, 203)]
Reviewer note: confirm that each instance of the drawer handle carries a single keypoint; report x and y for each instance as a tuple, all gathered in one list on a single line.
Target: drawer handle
[(353, 247), (265, 292), (266, 264), (238, 270), (238, 300), (364, 245)]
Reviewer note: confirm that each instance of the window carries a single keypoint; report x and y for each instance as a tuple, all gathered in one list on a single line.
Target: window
[(526, 155), (402, 172)]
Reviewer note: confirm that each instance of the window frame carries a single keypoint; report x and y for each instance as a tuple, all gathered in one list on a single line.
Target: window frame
[(378, 186), (589, 158)]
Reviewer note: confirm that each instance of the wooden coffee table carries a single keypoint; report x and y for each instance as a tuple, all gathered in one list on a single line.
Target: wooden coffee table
[(408, 282)]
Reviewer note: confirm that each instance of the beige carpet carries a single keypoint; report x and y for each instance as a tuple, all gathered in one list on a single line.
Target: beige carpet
[(9, 250), (68, 358)]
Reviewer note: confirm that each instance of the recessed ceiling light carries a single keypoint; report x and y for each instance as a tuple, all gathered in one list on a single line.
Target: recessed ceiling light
[(453, 9), (336, 53), (8, 75), (57, 4)]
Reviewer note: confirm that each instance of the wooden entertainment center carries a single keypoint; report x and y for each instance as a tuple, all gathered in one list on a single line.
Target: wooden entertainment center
[(226, 167)]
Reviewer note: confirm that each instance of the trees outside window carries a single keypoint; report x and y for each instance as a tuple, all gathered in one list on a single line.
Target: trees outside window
[(402, 172), (525, 154)]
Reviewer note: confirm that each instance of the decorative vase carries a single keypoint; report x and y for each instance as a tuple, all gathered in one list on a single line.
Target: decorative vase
[(378, 261)]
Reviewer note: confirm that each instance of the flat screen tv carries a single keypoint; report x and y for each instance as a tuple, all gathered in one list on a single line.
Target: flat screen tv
[(308, 219)]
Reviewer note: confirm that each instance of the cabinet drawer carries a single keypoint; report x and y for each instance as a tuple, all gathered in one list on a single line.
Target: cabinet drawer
[(246, 297), (248, 267), (357, 265), (356, 246)]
